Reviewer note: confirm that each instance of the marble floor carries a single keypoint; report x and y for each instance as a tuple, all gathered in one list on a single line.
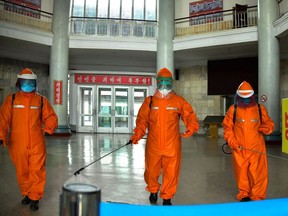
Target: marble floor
[(206, 172)]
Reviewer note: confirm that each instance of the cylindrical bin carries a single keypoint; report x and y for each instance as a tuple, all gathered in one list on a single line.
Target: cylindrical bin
[(79, 199)]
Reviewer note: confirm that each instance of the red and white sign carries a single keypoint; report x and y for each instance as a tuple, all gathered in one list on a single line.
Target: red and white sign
[(58, 92), (112, 79), (205, 6)]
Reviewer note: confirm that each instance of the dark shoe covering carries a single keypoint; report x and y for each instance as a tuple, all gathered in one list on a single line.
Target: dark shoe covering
[(245, 199), (26, 200), (167, 202), (153, 197), (34, 205)]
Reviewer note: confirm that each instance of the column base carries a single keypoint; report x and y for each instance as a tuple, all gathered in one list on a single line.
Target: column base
[(62, 130)]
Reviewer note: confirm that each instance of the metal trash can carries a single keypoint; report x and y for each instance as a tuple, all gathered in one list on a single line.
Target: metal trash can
[(79, 199)]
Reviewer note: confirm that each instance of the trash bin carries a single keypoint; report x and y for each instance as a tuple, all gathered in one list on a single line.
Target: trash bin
[(79, 199)]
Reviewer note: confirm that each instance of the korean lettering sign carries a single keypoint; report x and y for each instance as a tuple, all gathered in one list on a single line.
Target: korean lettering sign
[(58, 92), (113, 79)]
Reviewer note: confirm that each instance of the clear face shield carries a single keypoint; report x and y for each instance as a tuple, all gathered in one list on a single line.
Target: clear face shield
[(245, 102)]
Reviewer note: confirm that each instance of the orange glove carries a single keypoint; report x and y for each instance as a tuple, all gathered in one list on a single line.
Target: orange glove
[(134, 139), (187, 133), (233, 145), (48, 130), (263, 129)]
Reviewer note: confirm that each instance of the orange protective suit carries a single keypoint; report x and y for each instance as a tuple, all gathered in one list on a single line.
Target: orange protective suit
[(26, 122), (249, 159), (163, 147)]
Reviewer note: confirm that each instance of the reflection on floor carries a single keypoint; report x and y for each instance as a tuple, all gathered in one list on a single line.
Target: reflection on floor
[(206, 172)]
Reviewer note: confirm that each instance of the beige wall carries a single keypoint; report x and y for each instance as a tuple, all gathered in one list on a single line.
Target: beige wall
[(192, 85), (47, 5)]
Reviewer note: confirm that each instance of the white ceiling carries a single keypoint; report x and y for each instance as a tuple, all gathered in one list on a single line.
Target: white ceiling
[(140, 55)]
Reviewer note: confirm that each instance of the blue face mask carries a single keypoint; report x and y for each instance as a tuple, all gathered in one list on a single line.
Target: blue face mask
[(27, 88), (28, 85)]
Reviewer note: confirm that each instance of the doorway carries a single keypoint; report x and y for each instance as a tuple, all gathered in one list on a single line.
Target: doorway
[(109, 109)]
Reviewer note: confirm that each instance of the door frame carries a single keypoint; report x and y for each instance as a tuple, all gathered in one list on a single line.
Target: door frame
[(79, 126), (112, 114)]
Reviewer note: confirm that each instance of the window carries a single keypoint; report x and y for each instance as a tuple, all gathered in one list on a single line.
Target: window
[(125, 9), (114, 9), (138, 9), (150, 8), (78, 8), (90, 10), (103, 8), (114, 17)]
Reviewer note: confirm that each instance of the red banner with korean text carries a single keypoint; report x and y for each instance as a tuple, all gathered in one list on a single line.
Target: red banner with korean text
[(205, 11), (112, 79), (58, 92), (205, 6)]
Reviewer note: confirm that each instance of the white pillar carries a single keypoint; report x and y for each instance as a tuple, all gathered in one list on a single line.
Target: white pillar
[(269, 63), (166, 31), (59, 62)]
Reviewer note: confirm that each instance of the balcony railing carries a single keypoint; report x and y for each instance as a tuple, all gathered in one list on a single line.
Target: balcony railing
[(21, 15), (112, 27), (224, 20), (218, 21)]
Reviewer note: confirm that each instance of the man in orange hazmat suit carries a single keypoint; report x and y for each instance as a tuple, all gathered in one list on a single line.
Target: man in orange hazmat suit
[(161, 114), (244, 125), (25, 116)]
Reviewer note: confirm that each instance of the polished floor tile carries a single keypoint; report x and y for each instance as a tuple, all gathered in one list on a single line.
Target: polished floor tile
[(117, 169)]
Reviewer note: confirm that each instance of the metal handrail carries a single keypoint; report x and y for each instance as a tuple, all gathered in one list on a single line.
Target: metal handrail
[(99, 26), (216, 21), (25, 16), (118, 27)]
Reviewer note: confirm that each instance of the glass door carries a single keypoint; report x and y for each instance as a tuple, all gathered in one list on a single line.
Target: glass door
[(85, 120), (121, 111), (110, 109), (104, 116), (113, 109), (139, 95)]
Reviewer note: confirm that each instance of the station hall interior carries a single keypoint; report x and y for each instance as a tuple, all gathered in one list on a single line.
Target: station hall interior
[(105, 55)]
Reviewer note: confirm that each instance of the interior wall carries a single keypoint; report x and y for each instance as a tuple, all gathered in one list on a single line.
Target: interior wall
[(193, 86), (47, 5)]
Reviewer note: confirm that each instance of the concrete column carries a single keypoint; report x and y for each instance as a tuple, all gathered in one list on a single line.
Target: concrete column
[(166, 32), (269, 63), (59, 63)]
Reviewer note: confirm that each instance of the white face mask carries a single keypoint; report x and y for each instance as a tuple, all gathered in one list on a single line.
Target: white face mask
[(164, 92)]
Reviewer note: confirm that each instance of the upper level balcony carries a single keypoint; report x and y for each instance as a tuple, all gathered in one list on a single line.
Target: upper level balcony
[(226, 34)]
